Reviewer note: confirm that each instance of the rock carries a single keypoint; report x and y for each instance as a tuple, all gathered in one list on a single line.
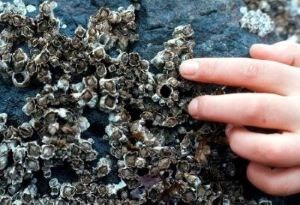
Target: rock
[(217, 32), (216, 25)]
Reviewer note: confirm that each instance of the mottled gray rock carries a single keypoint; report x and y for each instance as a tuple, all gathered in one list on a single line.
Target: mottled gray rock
[(217, 32), (216, 25)]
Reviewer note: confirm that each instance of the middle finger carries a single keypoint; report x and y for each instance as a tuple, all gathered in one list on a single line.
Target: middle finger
[(251, 109)]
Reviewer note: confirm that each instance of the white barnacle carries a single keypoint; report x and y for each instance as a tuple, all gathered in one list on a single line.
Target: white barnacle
[(21, 79), (103, 167), (30, 8), (3, 120), (193, 180), (53, 128), (63, 83), (108, 103), (78, 87), (19, 59), (33, 150), (47, 151), (99, 53), (257, 22), (67, 190), (114, 188), (3, 155), (83, 123)]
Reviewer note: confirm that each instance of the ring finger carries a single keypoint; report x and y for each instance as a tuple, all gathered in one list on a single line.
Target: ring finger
[(277, 150)]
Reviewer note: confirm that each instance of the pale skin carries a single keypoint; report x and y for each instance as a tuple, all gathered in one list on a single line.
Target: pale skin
[(273, 73)]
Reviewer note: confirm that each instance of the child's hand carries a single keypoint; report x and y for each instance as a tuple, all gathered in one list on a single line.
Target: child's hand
[(275, 74)]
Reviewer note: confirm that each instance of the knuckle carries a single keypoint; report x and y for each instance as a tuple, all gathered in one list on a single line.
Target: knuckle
[(254, 110), (252, 70), (210, 67), (203, 106), (290, 45)]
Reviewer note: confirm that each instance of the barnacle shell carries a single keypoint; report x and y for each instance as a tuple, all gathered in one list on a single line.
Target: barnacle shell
[(25, 130), (19, 154), (99, 53), (113, 188), (108, 103), (53, 128), (32, 164), (47, 151), (189, 196), (3, 120), (19, 59), (102, 190), (130, 159), (21, 79), (33, 150), (67, 190), (80, 32), (103, 168), (140, 162), (3, 155), (29, 194)]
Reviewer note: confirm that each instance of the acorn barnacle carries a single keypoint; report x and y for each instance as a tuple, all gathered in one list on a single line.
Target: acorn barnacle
[(105, 125)]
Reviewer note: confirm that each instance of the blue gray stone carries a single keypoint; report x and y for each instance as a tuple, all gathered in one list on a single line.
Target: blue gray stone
[(217, 33)]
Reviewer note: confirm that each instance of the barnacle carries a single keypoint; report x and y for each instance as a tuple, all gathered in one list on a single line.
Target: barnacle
[(257, 22), (47, 151), (67, 190), (280, 16), (3, 155), (103, 167), (157, 153)]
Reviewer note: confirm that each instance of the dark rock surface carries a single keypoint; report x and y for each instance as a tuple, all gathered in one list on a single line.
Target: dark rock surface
[(217, 32)]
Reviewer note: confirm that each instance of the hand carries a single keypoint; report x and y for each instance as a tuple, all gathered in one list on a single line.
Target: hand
[(274, 74)]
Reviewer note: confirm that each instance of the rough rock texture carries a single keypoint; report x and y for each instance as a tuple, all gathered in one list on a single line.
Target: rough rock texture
[(217, 32)]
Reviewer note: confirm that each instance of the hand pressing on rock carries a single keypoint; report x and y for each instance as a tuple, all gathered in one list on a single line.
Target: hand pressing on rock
[(274, 73)]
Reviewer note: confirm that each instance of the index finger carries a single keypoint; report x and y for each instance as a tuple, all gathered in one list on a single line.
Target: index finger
[(256, 75)]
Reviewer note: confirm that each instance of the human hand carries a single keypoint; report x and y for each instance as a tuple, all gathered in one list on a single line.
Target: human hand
[(274, 73)]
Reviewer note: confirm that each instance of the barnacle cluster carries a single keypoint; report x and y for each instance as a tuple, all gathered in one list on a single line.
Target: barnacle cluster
[(257, 22), (284, 13), (161, 155)]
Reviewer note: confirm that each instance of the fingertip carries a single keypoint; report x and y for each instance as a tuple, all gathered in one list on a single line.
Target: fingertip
[(256, 173), (262, 178), (228, 129), (193, 107), (189, 68), (258, 50)]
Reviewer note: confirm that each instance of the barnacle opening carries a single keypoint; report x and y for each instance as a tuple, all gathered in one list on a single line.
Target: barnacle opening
[(19, 77), (165, 91)]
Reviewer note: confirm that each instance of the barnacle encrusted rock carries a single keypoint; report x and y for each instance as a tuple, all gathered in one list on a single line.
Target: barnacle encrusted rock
[(284, 13), (157, 153), (257, 22)]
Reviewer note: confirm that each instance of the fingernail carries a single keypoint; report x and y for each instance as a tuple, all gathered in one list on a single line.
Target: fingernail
[(228, 129), (259, 46), (189, 67), (193, 107)]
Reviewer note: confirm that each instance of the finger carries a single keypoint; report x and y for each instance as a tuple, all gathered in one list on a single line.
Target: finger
[(252, 109), (280, 182), (282, 52), (257, 75), (278, 150)]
